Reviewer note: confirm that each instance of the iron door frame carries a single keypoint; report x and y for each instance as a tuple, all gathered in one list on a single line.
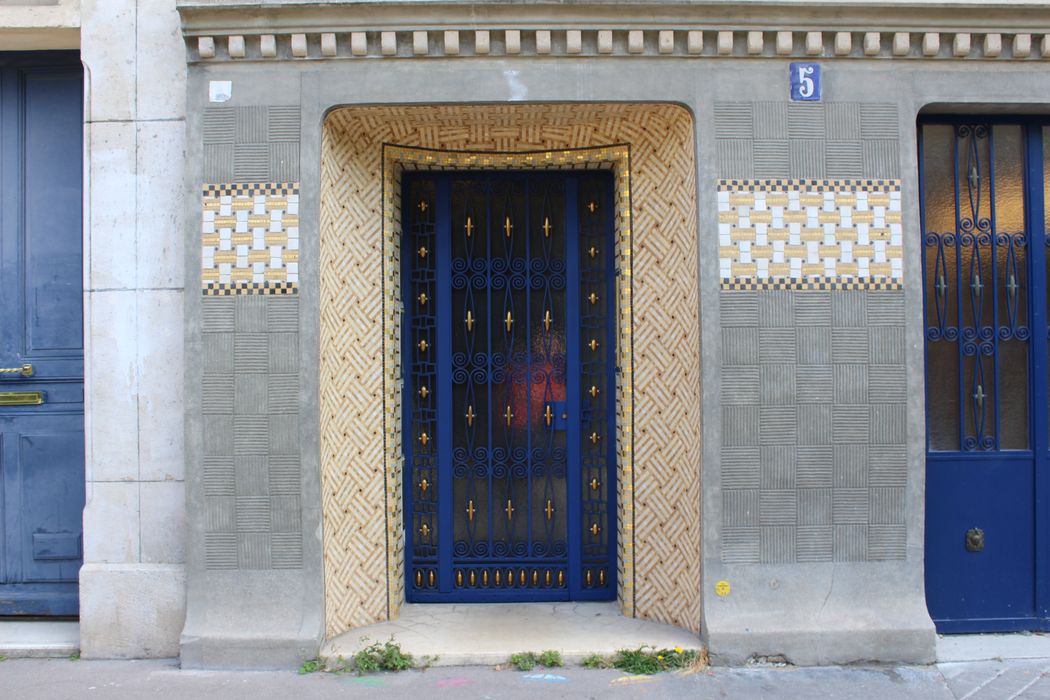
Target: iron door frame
[(1038, 454), (574, 589)]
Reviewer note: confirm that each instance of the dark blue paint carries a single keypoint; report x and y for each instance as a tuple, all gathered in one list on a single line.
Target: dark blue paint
[(435, 322), (41, 447), (981, 484)]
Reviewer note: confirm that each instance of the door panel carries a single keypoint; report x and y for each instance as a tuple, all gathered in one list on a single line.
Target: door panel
[(41, 440), (994, 584), (985, 349), (498, 424)]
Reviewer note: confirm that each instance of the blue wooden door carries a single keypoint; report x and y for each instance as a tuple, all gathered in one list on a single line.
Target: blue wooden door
[(41, 400), (985, 289), (508, 398)]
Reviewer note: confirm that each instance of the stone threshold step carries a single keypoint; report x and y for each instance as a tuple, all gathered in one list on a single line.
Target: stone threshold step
[(487, 634), (40, 639)]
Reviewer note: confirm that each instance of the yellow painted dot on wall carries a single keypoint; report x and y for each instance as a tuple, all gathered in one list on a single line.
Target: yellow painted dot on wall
[(722, 589)]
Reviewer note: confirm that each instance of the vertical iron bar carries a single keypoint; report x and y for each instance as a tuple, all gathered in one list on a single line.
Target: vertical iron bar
[(489, 252), (528, 364), (961, 297), (993, 230), (443, 399), (573, 470)]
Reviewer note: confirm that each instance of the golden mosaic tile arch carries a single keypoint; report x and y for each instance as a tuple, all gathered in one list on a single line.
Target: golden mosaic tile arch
[(360, 373)]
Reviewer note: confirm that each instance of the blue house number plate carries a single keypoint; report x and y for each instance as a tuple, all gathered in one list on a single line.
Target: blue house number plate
[(805, 82)]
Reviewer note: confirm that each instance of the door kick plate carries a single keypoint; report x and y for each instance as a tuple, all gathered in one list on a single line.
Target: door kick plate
[(21, 398)]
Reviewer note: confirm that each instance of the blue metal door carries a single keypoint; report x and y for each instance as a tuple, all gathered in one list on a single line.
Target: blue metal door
[(41, 334), (985, 289), (509, 420)]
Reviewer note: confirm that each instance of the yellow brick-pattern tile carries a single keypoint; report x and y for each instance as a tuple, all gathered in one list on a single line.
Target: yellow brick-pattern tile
[(250, 238), (794, 234)]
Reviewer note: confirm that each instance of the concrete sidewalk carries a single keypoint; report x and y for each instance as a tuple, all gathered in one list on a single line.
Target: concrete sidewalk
[(61, 679)]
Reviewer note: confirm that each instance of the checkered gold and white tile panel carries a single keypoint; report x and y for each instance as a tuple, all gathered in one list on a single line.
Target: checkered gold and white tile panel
[(250, 238), (810, 234)]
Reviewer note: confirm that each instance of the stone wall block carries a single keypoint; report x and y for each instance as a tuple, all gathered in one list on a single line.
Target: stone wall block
[(635, 41), (329, 47), (164, 503), (993, 45), (148, 619), (725, 43), (358, 43), (872, 43), (543, 41), (755, 42), (111, 387), (107, 47), (160, 56), (161, 453), (111, 239), (1022, 45), (814, 43), (695, 42), (111, 523), (235, 46), (268, 46), (901, 44), (452, 43), (573, 41), (159, 146), (843, 43), (931, 44), (420, 43), (665, 41)]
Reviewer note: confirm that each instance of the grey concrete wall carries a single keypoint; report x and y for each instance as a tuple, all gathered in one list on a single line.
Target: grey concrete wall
[(255, 587), (843, 399)]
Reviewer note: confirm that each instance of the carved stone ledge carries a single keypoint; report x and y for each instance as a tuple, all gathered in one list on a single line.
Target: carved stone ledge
[(684, 43)]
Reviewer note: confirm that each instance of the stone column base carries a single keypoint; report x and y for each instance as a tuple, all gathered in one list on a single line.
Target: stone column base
[(819, 615), (131, 611)]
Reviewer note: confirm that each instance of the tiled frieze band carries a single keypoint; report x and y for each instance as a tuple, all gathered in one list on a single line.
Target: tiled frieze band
[(250, 238), (810, 234)]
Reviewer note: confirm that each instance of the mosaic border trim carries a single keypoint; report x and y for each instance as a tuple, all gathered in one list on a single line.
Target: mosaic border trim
[(272, 189), (218, 289), (799, 184), (818, 284), (614, 157), (810, 234), (249, 238)]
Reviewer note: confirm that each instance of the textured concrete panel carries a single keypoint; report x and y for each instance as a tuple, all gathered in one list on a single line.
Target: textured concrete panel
[(736, 158), (734, 120), (806, 121), (828, 404)]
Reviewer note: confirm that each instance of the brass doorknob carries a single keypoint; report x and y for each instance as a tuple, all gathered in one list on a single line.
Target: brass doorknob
[(25, 370)]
